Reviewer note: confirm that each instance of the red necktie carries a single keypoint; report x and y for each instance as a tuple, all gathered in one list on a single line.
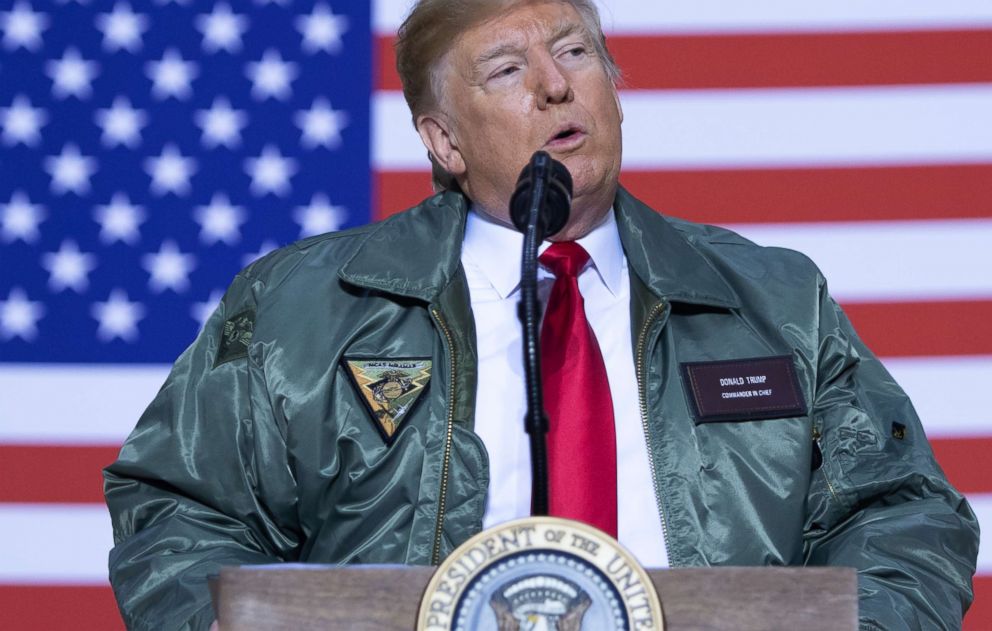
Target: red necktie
[(582, 451)]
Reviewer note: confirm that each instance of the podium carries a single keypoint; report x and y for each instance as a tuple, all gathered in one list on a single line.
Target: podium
[(387, 597)]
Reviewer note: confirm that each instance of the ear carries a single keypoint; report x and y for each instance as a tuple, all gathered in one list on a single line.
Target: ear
[(437, 136)]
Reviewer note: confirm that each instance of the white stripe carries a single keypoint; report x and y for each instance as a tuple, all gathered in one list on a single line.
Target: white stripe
[(981, 503), (767, 127), (54, 543), (949, 393), (896, 260), (708, 16), (69, 543), (74, 403)]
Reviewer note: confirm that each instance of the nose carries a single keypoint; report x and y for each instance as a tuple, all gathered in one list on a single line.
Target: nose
[(552, 84)]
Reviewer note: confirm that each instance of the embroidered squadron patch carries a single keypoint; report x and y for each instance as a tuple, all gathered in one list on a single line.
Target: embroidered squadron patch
[(235, 337), (389, 388)]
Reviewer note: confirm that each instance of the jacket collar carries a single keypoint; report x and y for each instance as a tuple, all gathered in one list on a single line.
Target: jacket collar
[(666, 260), (418, 253), (415, 253)]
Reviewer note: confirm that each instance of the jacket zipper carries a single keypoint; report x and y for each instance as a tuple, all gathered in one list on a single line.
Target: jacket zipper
[(643, 395), (442, 496)]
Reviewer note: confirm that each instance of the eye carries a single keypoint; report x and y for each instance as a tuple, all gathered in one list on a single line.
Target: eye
[(574, 52), (505, 71)]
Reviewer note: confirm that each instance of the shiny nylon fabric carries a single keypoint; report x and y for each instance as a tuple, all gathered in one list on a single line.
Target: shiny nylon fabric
[(273, 457)]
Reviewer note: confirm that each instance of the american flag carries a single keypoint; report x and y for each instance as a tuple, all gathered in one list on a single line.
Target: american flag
[(149, 150)]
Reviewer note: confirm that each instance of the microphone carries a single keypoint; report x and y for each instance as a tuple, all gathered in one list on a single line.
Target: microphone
[(546, 183), (539, 208)]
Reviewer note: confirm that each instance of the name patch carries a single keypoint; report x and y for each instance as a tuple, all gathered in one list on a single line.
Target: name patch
[(744, 389)]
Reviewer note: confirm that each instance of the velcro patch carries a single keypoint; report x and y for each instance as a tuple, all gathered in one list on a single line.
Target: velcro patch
[(235, 337), (389, 388), (744, 389)]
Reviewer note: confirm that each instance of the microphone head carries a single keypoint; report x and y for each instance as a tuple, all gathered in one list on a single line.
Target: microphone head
[(557, 200)]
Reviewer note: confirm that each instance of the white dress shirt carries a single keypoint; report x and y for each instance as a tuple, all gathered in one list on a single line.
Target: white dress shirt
[(491, 257)]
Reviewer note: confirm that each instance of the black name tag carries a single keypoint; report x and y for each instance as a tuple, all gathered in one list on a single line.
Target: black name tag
[(744, 389)]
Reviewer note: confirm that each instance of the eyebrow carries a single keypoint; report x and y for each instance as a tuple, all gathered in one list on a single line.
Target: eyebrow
[(562, 30)]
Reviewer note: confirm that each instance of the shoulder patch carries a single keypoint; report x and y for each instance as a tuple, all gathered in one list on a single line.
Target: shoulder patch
[(389, 388), (235, 337)]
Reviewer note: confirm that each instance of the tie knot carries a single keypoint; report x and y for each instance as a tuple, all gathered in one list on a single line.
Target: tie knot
[(565, 258)]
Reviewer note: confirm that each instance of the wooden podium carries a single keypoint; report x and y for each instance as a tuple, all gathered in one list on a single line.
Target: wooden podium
[(387, 597)]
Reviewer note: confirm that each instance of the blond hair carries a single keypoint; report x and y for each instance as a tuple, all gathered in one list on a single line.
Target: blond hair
[(429, 32)]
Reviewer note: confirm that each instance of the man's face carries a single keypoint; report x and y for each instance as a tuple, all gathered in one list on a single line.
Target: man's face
[(527, 80)]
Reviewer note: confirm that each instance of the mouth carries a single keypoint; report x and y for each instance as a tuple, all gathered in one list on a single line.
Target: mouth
[(566, 137)]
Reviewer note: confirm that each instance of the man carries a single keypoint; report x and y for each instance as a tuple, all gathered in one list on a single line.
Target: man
[(267, 443)]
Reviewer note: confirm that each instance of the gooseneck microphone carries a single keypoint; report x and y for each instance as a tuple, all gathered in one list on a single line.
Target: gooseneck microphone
[(539, 209)]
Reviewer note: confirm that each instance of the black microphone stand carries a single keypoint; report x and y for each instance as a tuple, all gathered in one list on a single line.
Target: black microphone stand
[(529, 312)]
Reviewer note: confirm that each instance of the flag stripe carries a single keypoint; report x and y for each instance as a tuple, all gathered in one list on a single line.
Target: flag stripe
[(956, 408), (53, 473), (637, 16), (74, 478), (781, 60), (957, 456), (906, 261), (775, 195), (59, 607), (68, 543), (54, 543), (979, 617), (923, 328), (763, 128)]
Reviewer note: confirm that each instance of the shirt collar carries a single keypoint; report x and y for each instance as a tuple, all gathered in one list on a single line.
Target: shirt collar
[(495, 250)]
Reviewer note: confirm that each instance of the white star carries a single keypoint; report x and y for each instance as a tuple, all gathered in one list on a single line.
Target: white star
[(22, 27), (266, 247), (21, 218), (271, 77), (118, 317), (321, 125), (70, 171), (322, 29), (68, 268), (270, 172), (170, 171), (221, 29), (172, 75), (319, 217), (119, 220), (72, 75), (19, 316), (201, 311), (121, 124), (169, 268), (122, 28), (221, 125), (220, 221), (21, 122)]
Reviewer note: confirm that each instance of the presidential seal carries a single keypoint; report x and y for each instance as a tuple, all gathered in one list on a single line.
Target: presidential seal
[(540, 574)]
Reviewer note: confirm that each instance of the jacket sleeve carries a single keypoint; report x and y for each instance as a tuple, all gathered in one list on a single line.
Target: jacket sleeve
[(202, 481), (879, 502)]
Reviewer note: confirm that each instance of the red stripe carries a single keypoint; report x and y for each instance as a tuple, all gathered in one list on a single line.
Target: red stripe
[(776, 195), (964, 461), (56, 474), (72, 474), (57, 607), (782, 60), (979, 617), (894, 329)]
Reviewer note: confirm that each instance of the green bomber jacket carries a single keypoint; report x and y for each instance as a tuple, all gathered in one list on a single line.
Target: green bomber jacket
[(259, 449)]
